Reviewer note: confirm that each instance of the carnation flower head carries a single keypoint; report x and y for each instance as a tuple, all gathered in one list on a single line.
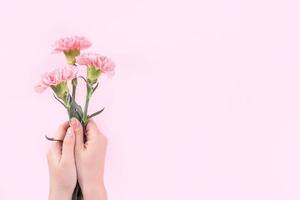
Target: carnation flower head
[(71, 47), (39, 88), (71, 43), (56, 77), (102, 63), (52, 78), (69, 72), (96, 64)]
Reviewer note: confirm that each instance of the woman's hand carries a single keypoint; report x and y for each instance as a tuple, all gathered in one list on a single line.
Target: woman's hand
[(89, 159), (61, 164)]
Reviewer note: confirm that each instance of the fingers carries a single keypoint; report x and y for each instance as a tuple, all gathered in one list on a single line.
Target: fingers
[(56, 147), (92, 128), (93, 134), (76, 126), (61, 131), (68, 146)]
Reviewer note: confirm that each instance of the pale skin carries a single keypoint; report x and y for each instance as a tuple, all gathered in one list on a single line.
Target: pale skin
[(73, 160)]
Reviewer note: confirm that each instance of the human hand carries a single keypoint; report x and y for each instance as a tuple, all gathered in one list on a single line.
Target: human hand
[(61, 163), (89, 159)]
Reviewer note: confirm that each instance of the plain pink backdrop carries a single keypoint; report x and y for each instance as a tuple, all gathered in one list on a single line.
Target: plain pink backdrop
[(205, 103)]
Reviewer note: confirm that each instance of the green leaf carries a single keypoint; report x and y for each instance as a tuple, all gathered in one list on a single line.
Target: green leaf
[(95, 114), (96, 86), (62, 103)]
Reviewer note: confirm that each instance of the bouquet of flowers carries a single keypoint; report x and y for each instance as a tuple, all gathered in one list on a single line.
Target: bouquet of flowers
[(60, 79)]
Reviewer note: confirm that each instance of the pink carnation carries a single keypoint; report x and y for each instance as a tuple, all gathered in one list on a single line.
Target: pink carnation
[(87, 59), (40, 88), (69, 72), (100, 62), (48, 79), (55, 77), (71, 43), (52, 78)]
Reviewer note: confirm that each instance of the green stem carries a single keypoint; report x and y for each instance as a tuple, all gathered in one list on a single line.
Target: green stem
[(68, 106), (74, 85), (89, 91)]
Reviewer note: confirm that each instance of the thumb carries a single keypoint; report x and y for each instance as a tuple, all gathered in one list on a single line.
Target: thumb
[(68, 146), (78, 130)]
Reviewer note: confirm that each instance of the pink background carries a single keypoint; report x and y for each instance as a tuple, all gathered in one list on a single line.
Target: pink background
[(205, 103)]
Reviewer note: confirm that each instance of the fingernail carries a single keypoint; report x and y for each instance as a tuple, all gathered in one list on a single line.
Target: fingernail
[(69, 132), (74, 123)]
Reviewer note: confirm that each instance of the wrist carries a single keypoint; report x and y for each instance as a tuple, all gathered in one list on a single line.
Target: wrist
[(94, 191), (59, 195), (56, 195)]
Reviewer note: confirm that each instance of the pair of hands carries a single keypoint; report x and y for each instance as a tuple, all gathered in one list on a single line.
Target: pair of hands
[(73, 160)]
